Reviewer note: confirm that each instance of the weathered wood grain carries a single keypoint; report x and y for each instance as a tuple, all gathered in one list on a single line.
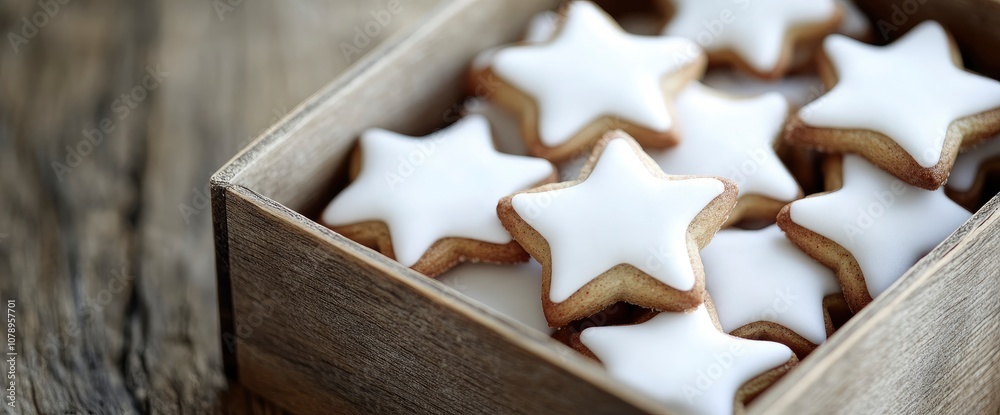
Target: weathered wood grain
[(111, 262)]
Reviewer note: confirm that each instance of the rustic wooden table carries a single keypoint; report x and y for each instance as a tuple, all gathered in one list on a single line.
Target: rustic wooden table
[(114, 115)]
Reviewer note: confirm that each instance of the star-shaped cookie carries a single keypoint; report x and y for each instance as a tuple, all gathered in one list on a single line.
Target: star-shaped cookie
[(757, 36), (430, 202), (567, 89), (624, 231), (906, 107), (683, 361), (765, 288), (872, 230), (733, 138)]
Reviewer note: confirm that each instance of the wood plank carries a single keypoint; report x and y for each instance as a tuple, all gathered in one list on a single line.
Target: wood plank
[(146, 341)]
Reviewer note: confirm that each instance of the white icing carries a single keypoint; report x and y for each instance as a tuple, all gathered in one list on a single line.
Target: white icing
[(512, 290), (761, 276), (855, 23), (755, 30), (968, 164), (504, 125), (540, 28), (798, 89), (886, 224), (426, 189), (683, 361), (621, 214), (593, 69), (731, 138), (911, 91)]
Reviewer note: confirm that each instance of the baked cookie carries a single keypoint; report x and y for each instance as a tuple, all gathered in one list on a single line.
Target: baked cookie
[(799, 89), (765, 288), (906, 107), (684, 362), (733, 138), (968, 183), (430, 202), (624, 231), (872, 230), (540, 29), (590, 77), (759, 37), (511, 290)]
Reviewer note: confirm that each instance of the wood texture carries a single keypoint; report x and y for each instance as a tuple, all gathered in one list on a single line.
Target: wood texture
[(115, 281)]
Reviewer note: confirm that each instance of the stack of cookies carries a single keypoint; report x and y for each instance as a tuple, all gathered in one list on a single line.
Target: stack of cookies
[(697, 208)]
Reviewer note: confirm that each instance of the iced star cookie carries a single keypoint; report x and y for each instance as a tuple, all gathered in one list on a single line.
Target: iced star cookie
[(906, 107), (765, 288), (540, 28), (872, 229), (592, 76), (623, 231), (430, 202), (511, 290), (733, 138), (759, 36), (684, 362), (968, 180)]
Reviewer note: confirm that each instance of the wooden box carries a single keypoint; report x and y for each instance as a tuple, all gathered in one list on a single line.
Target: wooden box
[(319, 324)]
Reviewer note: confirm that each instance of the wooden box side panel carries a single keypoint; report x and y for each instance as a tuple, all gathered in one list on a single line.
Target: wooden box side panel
[(323, 325), (409, 85), (929, 345)]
